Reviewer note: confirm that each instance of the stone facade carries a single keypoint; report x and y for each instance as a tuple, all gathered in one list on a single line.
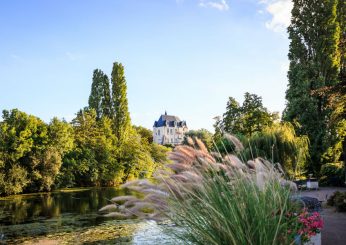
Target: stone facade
[(169, 130)]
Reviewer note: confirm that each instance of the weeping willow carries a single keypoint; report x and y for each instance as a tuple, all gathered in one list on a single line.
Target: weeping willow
[(279, 144)]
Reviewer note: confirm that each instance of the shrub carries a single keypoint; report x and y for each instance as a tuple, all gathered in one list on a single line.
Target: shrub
[(332, 174), (14, 182), (338, 200)]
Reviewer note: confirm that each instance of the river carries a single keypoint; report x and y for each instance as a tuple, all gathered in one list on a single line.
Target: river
[(71, 217)]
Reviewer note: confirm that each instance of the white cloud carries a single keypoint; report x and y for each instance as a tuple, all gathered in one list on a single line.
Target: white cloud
[(280, 11), (219, 5)]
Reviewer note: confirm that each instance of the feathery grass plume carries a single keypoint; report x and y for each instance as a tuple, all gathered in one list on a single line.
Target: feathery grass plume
[(201, 145), (185, 150), (216, 202), (122, 198), (178, 167), (236, 142), (109, 207), (234, 161), (190, 141)]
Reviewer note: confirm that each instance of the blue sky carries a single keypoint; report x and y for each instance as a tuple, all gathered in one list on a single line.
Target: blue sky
[(183, 56)]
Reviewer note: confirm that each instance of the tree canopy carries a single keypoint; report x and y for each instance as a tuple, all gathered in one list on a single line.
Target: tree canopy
[(248, 118), (100, 97), (99, 147), (316, 55)]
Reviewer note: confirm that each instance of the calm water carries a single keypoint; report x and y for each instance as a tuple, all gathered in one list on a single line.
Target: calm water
[(71, 216)]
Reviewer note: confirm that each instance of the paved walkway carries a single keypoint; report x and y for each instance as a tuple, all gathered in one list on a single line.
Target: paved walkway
[(334, 231)]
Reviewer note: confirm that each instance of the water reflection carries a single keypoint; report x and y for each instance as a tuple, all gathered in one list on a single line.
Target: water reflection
[(48, 213)]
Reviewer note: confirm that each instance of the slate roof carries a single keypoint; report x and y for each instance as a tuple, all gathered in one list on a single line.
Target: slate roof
[(169, 121)]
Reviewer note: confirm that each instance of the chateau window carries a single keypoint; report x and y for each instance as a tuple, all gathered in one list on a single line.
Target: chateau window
[(167, 130), (158, 131), (171, 131)]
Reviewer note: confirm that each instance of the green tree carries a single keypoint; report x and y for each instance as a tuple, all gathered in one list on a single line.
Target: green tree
[(100, 97), (341, 18), (60, 135), (31, 152), (314, 63), (96, 94), (279, 143), (218, 129), (135, 157), (232, 116), (254, 116), (106, 104), (122, 121), (93, 161), (144, 133), (159, 154), (248, 118), (107, 152), (14, 180)]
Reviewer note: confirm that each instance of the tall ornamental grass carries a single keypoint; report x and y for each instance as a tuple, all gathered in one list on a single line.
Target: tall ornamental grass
[(215, 199)]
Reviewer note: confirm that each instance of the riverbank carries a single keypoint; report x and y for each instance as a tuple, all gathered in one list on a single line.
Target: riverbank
[(64, 190)]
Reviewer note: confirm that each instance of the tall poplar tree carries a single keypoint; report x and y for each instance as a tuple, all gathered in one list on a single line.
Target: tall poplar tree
[(95, 97), (122, 121), (314, 63), (100, 97), (106, 103), (341, 13)]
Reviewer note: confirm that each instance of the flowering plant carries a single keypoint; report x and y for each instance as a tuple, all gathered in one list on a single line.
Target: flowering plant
[(309, 225)]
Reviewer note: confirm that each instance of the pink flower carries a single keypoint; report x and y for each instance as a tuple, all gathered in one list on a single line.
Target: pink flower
[(310, 224)]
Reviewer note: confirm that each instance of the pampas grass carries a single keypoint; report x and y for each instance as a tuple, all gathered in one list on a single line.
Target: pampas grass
[(215, 200)]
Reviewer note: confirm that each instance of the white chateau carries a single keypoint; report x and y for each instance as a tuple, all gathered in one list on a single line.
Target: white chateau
[(169, 130)]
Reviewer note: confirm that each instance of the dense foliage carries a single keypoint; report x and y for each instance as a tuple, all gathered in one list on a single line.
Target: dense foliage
[(100, 97), (317, 64), (332, 174), (338, 200), (31, 152), (99, 147), (261, 134), (279, 144), (248, 118)]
